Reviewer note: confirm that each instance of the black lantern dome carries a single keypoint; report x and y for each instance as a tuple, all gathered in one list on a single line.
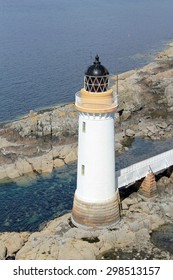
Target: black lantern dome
[(96, 77)]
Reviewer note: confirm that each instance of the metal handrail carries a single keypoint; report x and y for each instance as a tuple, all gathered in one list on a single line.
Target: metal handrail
[(137, 171)]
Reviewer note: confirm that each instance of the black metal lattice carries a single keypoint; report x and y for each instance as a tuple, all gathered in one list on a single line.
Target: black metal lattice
[(96, 84)]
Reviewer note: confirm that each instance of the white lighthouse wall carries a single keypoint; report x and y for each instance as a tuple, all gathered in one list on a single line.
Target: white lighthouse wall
[(96, 158)]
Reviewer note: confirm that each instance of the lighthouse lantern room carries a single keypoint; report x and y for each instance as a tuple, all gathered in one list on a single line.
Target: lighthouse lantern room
[(96, 201)]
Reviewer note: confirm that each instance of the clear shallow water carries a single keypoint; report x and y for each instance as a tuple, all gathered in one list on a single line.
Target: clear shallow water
[(26, 207), (142, 149), (45, 46)]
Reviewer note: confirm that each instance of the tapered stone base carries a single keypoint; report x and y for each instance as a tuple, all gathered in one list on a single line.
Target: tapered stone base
[(148, 187), (96, 215)]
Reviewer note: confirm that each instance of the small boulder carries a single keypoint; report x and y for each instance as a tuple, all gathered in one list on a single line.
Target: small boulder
[(152, 128), (3, 251), (126, 115), (162, 125), (129, 132), (13, 242), (169, 94)]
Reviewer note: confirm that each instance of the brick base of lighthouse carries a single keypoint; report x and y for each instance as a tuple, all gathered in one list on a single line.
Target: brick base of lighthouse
[(96, 215), (148, 187)]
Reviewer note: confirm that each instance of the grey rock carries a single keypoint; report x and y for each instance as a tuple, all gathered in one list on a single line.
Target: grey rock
[(135, 226), (3, 251), (169, 94), (167, 209), (118, 147), (126, 115), (142, 235), (124, 205), (130, 132), (170, 109), (162, 125), (132, 199), (152, 128)]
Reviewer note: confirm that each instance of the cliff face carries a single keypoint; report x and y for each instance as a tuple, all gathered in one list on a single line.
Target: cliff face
[(43, 140)]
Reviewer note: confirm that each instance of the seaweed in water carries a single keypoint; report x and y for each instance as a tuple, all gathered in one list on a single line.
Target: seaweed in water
[(163, 238)]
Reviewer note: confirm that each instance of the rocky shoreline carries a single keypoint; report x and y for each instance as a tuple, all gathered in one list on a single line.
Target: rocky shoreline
[(38, 142), (47, 139)]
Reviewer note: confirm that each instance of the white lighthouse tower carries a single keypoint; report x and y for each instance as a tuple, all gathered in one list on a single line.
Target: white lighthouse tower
[(96, 203)]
